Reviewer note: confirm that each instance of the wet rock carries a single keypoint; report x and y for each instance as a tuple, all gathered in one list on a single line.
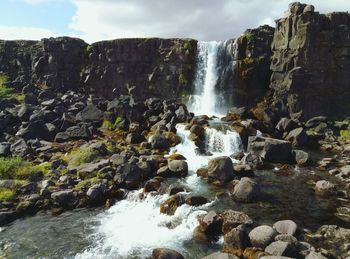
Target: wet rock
[(325, 188), (301, 157), (178, 168), (202, 172), (221, 168), (246, 190), (262, 236), (65, 197), (196, 200), (220, 255), (236, 240), (315, 255), (232, 219), (151, 185), (96, 192), (286, 227), (170, 205), (7, 217), (165, 253), (298, 137), (175, 190), (211, 224), (242, 170), (199, 131), (270, 150), (281, 248)]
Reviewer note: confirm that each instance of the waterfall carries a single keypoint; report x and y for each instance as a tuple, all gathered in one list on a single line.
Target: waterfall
[(214, 72)]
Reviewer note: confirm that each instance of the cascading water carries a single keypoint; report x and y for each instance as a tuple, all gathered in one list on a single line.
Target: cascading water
[(135, 226), (215, 68)]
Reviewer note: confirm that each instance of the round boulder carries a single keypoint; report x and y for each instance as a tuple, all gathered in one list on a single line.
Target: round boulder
[(262, 236), (221, 168)]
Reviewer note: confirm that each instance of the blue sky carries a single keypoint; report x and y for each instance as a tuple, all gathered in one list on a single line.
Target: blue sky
[(95, 20)]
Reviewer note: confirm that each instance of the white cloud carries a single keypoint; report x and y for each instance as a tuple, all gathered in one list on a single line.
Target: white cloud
[(24, 33), (200, 19)]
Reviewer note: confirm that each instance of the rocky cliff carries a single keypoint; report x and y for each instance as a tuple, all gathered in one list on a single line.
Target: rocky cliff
[(311, 62), (148, 67)]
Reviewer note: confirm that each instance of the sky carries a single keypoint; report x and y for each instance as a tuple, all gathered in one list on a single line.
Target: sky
[(96, 20)]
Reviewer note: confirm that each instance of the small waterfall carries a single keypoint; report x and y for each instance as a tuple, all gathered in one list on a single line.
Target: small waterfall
[(214, 73), (220, 142)]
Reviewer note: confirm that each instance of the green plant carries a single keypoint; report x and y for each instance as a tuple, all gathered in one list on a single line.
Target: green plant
[(7, 194), (345, 134), (7, 92), (248, 61), (107, 125), (81, 155), (246, 37), (118, 120)]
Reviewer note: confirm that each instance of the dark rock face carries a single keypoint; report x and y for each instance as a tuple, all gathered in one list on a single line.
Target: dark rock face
[(310, 63), (146, 67)]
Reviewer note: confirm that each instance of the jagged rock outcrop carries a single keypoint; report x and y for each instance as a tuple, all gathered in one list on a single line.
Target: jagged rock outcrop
[(311, 62), (147, 67)]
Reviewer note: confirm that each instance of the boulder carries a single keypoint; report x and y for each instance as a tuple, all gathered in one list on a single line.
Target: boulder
[(246, 190), (196, 200), (298, 137), (65, 197), (325, 188), (286, 124), (315, 255), (211, 224), (178, 168), (90, 114), (281, 248), (96, 192), (5, 149), (262, 236), (165, 253), (220, 255), (301, 157), (286, 227), (159, 141), (232, 219), (74, 133), (170, 205), (35, 130), (236, 239), (221, 168), (270, 150)]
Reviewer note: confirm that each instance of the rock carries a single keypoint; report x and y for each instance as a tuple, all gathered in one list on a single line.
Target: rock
[(118, 159), (196, 200), (271, 150), (315, 121), (202, 172), (5, 149), (309, 9), (221, 168), (158, 141), (232, 219), (35, 130), (314, 255), (286, 124), (287, 238), (236, 239), (7, 217), (301, 157), (211, 224), (170, 205), (165, 253), (246, 190), (262, 236), (151, 185), (96, 192), (63, 198), (74, 133), (298, 137), (325, 188), (280, 248), (134, 138), (178, 168), (181, 113), (199, 131), (286, 227), (345, 170), (220, 255), (90, 114), (20, 148)]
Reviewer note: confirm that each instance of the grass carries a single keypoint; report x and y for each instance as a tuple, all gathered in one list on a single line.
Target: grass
[(7, 194), (7, 92), (345, 135), (87, 183), (17, 168), (107, 124), (80, 156)]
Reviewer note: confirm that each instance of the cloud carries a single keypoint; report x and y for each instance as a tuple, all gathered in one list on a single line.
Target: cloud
[(200, 19), (24, 33)]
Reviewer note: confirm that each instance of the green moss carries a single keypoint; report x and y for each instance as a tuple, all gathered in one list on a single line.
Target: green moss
[(345, 135), (187, 45), (118, 120), (80, 156), (89, 48), (107, 125), (248, 61), (87, 183), (7, 194), (7, 92)]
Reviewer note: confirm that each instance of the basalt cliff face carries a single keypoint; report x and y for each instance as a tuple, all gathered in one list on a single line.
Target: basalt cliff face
[(148, 67), (302, 67), (311, 62)]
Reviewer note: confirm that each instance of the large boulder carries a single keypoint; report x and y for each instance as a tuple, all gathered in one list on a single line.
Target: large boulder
[(178, 168), (90, 114), (246, 190), (35, 130), (165, 253), (298, 137), (74, 133), (286, 227), (221, 168), (220, 255), (232, 219), (271, 150), (236, 239), (281, 248), (262, 236)]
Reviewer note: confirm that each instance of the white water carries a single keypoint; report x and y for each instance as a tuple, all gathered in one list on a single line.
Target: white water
[(135, 226), (203, 102)]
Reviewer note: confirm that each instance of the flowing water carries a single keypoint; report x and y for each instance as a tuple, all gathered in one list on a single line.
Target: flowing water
[(134, 226)]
